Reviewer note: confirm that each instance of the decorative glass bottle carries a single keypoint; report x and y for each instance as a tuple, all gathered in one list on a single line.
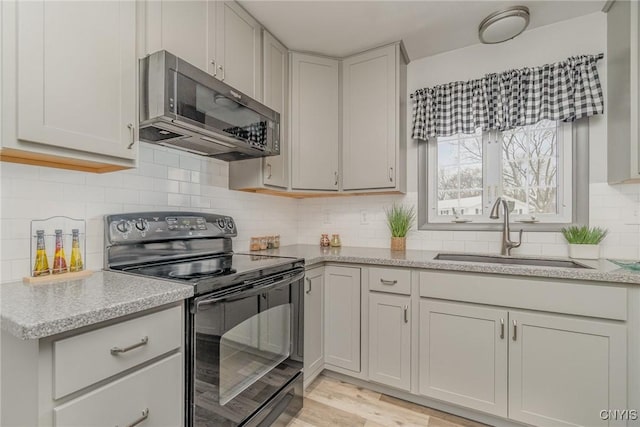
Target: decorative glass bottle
[(75, 263), (59, 259), (335, 240), (41, 266)]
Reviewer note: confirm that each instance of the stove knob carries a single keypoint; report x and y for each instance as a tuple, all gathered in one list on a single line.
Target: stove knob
[(230, 223), (220, 223), (123, 226), (142, 224)]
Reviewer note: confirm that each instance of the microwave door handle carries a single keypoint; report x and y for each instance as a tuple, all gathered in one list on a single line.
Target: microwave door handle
[(248, 292)]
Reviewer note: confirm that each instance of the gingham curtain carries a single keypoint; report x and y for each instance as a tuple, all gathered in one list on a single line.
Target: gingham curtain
[(566, 91)]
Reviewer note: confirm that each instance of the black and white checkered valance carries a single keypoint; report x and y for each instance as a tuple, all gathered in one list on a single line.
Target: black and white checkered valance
[(567, 91)]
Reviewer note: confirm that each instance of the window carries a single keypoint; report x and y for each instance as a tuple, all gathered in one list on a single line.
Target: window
[(532, 167)]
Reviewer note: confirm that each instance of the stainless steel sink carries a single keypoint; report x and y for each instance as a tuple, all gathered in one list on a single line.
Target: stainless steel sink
[(494, 259)]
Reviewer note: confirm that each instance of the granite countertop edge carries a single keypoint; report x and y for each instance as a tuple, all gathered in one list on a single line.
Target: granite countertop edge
[(46, 328), (602, 271), (31, 324)]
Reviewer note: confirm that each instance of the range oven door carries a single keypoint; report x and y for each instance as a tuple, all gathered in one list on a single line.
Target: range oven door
[(246, 350)]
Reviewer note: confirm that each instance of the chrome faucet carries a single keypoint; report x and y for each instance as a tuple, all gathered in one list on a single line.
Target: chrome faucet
[(507, 244)]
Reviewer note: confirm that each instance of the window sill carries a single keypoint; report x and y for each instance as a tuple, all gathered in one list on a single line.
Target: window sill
[(497, 226)]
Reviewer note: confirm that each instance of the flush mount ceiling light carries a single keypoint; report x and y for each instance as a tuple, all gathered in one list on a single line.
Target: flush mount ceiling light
[(504, 25)]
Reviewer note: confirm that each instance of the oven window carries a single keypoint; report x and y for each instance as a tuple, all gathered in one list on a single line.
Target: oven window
[(253, 348)]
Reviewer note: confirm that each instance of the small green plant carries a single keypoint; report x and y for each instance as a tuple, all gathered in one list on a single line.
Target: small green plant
[(400, 219), (584, 235)]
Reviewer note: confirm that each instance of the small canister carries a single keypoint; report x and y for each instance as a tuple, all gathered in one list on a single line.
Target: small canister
[(255, 244), (276, 241), (324, 241), (335, 240), (263, 243)]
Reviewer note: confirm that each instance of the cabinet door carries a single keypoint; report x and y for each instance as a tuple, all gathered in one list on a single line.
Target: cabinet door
[(314, 122), (238, 49), (563, 371), (186, 28), (313, 322), (342, 317), (370, 119), (390, 340), (276, 96), (77, 75), (463, 355)]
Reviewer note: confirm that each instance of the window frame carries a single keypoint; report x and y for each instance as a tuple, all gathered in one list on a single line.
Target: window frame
[(579, 144)]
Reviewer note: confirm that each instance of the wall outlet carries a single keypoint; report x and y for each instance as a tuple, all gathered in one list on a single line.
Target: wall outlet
[(364, 217), (326, 217)]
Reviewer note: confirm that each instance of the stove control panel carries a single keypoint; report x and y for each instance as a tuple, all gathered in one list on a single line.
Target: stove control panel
[(157, 226)]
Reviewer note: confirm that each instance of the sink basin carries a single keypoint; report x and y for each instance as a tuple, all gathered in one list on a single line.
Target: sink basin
[(496, 259)]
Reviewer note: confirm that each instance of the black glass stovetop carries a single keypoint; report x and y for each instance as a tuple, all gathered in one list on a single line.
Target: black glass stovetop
[(217, 272)]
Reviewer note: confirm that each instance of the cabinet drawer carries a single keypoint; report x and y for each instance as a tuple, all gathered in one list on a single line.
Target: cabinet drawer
[(391, 280), (154, 391), (85, 359)]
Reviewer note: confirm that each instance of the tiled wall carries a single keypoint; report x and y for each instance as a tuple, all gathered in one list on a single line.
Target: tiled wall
[(165, 179), (360, 221)]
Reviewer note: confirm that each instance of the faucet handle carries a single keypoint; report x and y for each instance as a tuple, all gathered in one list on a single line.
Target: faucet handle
[(517, 245)]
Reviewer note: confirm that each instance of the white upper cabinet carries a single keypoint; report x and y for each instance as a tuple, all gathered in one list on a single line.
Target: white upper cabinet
[(186, 28), (276, 96), (371, 118), (238, 49), (314, 122), (623, 92), (218, 37), (75, 82)]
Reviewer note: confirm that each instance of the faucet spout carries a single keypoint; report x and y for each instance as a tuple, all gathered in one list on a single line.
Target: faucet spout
[(507, 243)]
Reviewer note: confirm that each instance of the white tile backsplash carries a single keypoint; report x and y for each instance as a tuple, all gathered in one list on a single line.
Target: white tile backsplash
[(613, 207), (165, 180), (169, 179)]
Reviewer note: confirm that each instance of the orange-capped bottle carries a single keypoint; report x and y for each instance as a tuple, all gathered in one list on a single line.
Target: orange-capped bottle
[(59, 259)]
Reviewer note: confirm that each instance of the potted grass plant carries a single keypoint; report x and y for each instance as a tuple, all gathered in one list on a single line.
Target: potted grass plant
[(584, 241), (400, 219)]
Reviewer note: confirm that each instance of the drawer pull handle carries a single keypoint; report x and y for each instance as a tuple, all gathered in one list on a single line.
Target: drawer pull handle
[(145, 415), (388, 282), (309, 282), (117, 350)]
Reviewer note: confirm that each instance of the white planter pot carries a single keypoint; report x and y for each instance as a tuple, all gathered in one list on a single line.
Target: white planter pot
[(584, 251)]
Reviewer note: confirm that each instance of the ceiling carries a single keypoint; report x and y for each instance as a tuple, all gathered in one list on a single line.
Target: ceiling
[(340, 28)]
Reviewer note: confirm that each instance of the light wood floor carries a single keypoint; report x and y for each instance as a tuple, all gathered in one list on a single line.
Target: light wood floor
[(330, 402)]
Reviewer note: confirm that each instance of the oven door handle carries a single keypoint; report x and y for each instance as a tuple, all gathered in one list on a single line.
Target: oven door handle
[(247, 292)]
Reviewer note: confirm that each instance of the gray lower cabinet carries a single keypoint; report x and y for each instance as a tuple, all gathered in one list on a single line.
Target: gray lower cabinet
[(390, 340), (463, 355), (342, 318), (313, 324), (561, 370)]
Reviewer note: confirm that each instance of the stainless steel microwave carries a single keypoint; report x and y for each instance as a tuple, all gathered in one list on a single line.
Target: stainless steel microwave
[(183, 107)]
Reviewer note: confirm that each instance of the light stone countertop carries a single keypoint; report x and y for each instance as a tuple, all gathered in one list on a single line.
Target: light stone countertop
[(603, 270), (32, 311)]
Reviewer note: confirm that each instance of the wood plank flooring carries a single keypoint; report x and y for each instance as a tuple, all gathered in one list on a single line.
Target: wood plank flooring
[(330, 402)]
